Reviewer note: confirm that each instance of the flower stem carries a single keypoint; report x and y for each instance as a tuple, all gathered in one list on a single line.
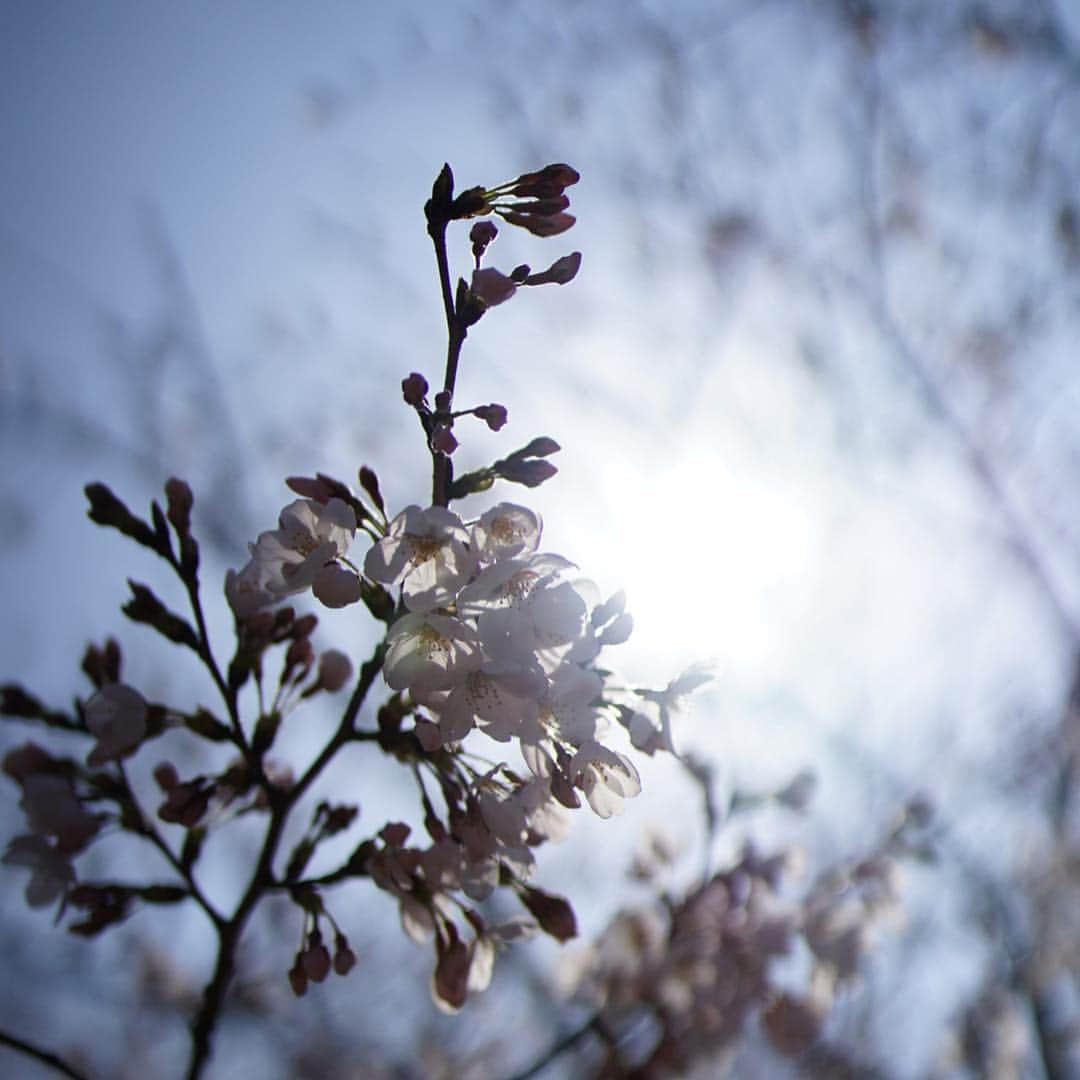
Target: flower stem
[(442, 466)]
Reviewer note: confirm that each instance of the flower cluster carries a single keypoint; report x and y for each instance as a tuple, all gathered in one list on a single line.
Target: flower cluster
[(483, 635), (489, 634), (60, 826), (501, 637), (306, 551), (700, 967)]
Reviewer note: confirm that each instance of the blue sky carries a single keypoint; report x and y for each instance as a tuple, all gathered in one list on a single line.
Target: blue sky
[(744, 449)]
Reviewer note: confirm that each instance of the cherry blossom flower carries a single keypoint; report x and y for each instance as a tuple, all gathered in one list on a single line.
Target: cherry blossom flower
[(568, 711), (648, 734), (428, 652), (505, 701), (310, 536), (428, 552), (523, 609), (546, 819), (509, 581), (53, 809), (606, 778), (51, 872), (116, 715), (506, 530), (246, 591)]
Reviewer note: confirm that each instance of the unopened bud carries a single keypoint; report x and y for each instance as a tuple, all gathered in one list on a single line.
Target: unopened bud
[(316, 959), (558, 273), (166, 776), (547, 182), (482, 234), (297, 978), (539, 225), (531, 472), (443, 440), (414, 389), (335, 670), (180, 501), (553, 913), (493, 415), (491, 286), (344, 957)]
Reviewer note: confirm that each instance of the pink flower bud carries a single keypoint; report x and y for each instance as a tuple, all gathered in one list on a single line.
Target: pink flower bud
[(540, 226), (166, 776), (493, 415), (491, 286), (414, 389), (395, 833), (344, 957), (316, 959), (553, 913), (559, 272), (297, 978), (26, 760), (531, 472), (442, 401), (481, 234), (336, 587), (335, 669), (443, 440), (547, 182), (450, 982)]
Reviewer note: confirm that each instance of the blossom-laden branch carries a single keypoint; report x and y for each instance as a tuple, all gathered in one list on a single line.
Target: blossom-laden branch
[(673, 986), (488, 643)]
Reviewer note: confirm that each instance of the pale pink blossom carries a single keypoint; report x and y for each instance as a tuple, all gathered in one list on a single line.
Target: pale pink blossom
[(606, 778), (116, 716), (568, 711), (429, 652), (506, 530), (503, 814), (336, 586), (508, 582), (427, 552), (649, 734), (51, 872), (506, 702), (481, 962), (52, 809), (246, 591), (310, 535), (545, 818), (523, 608)]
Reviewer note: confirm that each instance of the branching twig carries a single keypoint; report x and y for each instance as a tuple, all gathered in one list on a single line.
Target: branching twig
[(262, 879), (44, 1056)]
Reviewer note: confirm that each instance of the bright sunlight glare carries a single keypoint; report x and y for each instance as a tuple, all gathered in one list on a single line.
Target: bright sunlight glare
[(728, 572)]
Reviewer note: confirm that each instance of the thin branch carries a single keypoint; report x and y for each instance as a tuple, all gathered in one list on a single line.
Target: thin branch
[(442, 466), (44, 1056), (592, 1026), (146, 829), (262, 878)]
